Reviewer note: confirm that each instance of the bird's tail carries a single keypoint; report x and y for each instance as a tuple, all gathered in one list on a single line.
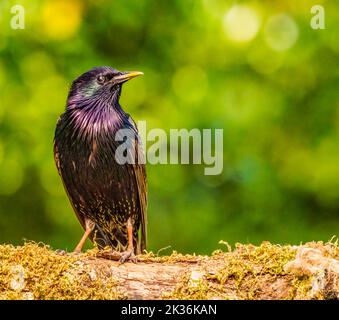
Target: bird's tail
[(100, 238), (117, 240)]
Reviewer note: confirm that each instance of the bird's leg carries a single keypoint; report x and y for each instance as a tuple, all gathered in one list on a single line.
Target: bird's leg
[(89, 224), (129, 253)]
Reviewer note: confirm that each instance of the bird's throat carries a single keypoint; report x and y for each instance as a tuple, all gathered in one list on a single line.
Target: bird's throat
[(96, 118)]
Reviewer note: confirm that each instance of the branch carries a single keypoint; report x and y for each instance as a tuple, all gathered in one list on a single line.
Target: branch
[(310, 271)]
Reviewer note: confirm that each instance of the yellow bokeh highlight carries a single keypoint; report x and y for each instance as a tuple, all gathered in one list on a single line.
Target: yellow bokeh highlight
[(241, 23), (281, 32), (61, 19)]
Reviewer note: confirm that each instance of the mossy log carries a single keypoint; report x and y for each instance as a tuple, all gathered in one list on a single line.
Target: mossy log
[(309, 271)]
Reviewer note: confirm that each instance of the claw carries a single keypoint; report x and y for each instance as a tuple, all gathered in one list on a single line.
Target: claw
[(129, 253), (128, 256)]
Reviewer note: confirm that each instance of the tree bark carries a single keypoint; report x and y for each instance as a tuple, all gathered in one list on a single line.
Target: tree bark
[(268, 271)]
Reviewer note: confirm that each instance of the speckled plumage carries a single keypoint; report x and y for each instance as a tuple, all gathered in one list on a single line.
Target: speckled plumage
[(98, 187)]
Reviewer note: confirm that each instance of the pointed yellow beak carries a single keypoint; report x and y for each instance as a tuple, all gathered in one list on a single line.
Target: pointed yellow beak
[(127, 76)]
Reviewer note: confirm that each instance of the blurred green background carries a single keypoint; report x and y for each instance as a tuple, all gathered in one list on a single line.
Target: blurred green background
[(254, 68)]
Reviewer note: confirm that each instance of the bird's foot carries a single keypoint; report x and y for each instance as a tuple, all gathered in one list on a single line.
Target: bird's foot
[(128, 255)]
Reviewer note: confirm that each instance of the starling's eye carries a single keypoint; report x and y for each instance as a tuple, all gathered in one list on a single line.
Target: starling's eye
[(101, 79)]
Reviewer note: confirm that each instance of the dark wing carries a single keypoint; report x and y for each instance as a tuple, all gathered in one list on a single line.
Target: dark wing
[(141, 181), (58, 129)]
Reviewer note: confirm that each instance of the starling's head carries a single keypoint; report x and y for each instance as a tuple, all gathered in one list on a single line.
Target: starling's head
[(102, 83)]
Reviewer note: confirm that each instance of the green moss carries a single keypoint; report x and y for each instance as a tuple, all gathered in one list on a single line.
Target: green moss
[(151, 257), (251, 272), (251, 260), (33, 271), (301, 288)]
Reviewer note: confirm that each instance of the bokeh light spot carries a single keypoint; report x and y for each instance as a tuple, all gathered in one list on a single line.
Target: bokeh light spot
[(241, 23), (61, 19), (281, 32)]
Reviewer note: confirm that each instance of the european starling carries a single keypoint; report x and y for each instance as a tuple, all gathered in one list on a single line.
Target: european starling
[(109, 198)]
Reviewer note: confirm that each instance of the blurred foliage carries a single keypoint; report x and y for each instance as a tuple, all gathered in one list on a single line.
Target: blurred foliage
[(254, 68)]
